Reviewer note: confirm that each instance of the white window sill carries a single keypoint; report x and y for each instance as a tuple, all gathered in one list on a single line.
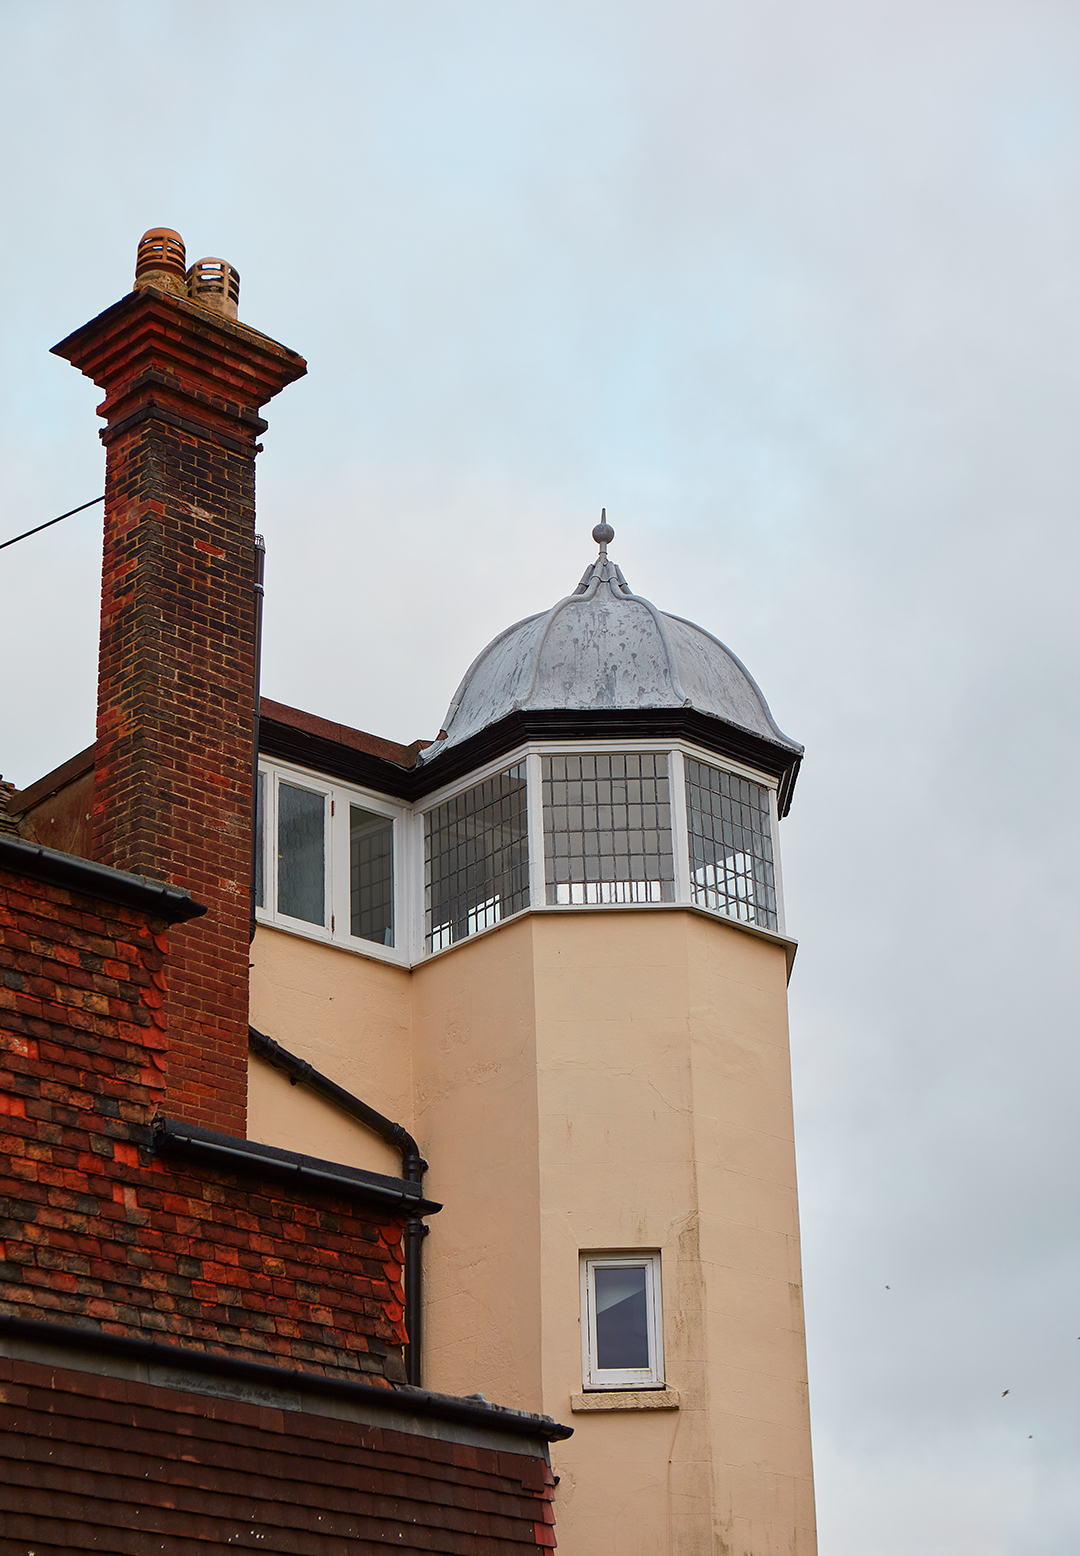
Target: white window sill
[(626, 1399)]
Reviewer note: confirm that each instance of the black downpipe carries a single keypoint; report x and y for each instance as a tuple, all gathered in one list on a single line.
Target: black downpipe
[(413, 1168), (256, 819)]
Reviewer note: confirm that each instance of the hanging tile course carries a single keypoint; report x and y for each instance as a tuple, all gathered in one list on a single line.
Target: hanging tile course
[(99, 1230)]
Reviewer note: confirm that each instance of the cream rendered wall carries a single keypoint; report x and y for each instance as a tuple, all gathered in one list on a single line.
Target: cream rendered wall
[(351, 1017), (665, 1122), (475, 1068), (588, 1080), (749, 1239)]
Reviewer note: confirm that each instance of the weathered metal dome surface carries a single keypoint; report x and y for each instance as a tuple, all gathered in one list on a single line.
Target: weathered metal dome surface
[(604, 647)]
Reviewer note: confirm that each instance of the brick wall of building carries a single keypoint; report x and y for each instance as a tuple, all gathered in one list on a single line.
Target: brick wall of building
[(97, 1228)]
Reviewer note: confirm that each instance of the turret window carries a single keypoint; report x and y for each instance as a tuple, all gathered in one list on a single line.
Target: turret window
[(326, 860), (729, 822), (556, 829), (607, 828), (301, 870), (476, 859)]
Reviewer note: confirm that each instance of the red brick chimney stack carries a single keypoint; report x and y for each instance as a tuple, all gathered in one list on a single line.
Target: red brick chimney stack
[(183, 384)]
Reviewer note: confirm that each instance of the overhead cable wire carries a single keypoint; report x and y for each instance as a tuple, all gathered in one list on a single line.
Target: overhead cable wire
[(49, 522)]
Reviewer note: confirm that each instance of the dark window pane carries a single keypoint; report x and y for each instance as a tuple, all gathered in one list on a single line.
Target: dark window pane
[(476, 858), (301, 854), (260, 841), (595, 847), (622, 1327), (731, 856), (371, 875)]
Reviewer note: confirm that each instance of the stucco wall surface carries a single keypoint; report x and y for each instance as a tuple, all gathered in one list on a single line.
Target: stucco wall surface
[(351, 1017), (475, 1069), (595, 1081)]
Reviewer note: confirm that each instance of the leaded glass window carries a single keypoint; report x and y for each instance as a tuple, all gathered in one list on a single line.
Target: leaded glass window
[(476, 859), (607, 828), (371, 875), (729, 820), (301, 843), (260, 841)]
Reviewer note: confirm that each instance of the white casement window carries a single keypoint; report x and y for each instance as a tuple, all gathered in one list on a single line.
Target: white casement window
[(327, 859), (622, 1335)]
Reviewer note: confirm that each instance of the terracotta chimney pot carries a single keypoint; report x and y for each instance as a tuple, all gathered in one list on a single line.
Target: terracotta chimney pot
[(215, 284), (159, 261)]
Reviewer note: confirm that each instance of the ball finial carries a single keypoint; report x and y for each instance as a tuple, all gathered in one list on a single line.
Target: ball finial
[(603, 533)]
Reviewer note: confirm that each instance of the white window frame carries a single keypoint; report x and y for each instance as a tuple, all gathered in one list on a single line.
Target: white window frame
[(311, 785), (594, 1377), (409, 949), (338, 907)]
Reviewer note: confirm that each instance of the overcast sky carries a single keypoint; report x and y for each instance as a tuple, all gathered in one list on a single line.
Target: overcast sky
[(790, 286)]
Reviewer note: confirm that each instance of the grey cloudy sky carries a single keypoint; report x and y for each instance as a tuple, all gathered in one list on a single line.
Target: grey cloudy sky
[(792, 289)]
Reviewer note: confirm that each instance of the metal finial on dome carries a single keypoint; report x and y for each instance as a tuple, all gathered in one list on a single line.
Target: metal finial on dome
[(603, 533)]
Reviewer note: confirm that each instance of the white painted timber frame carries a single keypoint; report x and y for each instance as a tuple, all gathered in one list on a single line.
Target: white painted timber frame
[(595, 1377), (409, 947)]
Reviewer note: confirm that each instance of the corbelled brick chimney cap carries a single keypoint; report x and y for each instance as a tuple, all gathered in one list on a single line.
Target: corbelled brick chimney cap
[(160, 261)]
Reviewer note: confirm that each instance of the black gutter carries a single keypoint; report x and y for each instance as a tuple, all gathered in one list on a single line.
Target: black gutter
[(256, 820), (236, 1155), (413, 1167), (97, 880), (418, 1402)]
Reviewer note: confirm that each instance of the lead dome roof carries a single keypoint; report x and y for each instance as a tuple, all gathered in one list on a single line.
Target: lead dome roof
[(605, 648)]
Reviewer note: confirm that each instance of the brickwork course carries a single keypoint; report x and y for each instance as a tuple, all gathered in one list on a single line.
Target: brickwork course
[(176, 672)]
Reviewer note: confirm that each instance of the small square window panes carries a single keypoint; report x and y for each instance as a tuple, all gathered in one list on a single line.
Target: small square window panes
[(371, 875), (476, 859), (301, 853), (729, 821), (607, 828)]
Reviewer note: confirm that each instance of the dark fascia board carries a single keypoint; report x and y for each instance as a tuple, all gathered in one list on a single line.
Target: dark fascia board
[(232, 1154), (420, 1402), (97, 880), (75, 767), (411, 783)]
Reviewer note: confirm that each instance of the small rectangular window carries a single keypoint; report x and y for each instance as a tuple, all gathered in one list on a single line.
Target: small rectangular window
[(371, 875), (476, 859), (607, 828), (729, 820), (301, 853), (621, 1321)]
